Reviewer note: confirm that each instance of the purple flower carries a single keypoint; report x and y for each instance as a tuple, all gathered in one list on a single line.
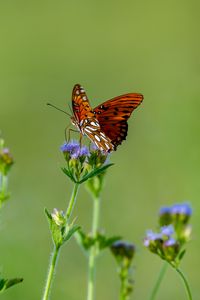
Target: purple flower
[(151, 237), (167, 230), (84, 151), (74, 150), (181, 209), (170, 242), (123, 249), (165, 210)]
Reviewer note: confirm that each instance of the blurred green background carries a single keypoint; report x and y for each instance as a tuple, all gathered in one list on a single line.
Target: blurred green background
[(110, 47)]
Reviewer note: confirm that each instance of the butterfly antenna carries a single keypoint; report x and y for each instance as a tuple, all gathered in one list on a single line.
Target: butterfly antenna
[(58, 109)]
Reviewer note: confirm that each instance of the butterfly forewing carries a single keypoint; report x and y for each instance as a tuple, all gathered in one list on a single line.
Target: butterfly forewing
[(80, 104), (86, 120)]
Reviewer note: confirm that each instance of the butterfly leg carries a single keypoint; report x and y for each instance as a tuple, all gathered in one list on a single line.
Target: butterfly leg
[(90, 145), (67, 133), (80, 140)]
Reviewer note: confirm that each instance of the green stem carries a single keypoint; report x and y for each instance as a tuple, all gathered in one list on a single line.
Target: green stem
[(3, 187), (189, 294), (158, 282), (56, 250), (93, 250), (4, 184), (52, 266), (123, 289), (72, 201)]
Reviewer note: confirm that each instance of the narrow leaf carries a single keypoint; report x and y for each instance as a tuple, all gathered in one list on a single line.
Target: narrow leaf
[(71, 232), (69, 174), (7, 283), (48, 214), (95, 172), (180, 257)]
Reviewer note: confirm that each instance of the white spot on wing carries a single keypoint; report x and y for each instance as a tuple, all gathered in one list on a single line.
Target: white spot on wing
[(87, 130), (107, 146), (81, 123), (97, 138), (77, 92), (94, 123), (104, 138), (91, 128), (102, 134), (84, 98)]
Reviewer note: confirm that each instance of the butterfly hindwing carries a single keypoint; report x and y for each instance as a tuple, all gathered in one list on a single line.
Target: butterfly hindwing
[(113, 115), (92, 129)]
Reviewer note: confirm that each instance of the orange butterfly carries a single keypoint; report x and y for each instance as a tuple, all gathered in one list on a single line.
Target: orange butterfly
[(105, 125)]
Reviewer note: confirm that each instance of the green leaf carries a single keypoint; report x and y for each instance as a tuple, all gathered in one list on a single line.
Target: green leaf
[(2, 284), (95, 172), (69, 174), (109, 241), (105, 242), (49, 216), (70, 232), (56, 232), (7, 283), (181, 255), (86, 241)]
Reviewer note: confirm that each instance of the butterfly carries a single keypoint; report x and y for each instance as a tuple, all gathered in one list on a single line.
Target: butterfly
[(105, 125)]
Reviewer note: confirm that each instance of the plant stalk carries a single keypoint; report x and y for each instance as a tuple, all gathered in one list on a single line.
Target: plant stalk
[(187, 287), (93, 251), (72, 201), (56, 250), (51, 272), (158, 282)]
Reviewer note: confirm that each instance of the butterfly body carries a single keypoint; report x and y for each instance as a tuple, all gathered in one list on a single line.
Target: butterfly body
[(106, 125)]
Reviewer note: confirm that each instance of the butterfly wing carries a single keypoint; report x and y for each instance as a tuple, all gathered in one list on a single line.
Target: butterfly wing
[(86, 120), (80, 104), (113, 115)]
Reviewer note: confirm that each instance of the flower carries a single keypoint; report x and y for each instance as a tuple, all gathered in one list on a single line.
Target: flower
[(84, 163), (167, 230), (152, 240), (163, 243), (58, 217), (176, 214), (170, 242), (173, 233), (123, 250), (181, 209), (6, 159), (74, 150)]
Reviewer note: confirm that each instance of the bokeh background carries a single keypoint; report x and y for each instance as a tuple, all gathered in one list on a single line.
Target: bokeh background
[(110, 47)]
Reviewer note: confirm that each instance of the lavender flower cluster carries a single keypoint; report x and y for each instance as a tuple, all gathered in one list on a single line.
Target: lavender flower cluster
[(173, 233)]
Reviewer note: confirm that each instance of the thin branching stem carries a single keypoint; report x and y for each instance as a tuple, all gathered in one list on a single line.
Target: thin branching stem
[(72, 201), (3, 185), (186, 284), (124, 295), (161, 275), (51, 272), (93, 251), (56, 250), (158, 282)]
